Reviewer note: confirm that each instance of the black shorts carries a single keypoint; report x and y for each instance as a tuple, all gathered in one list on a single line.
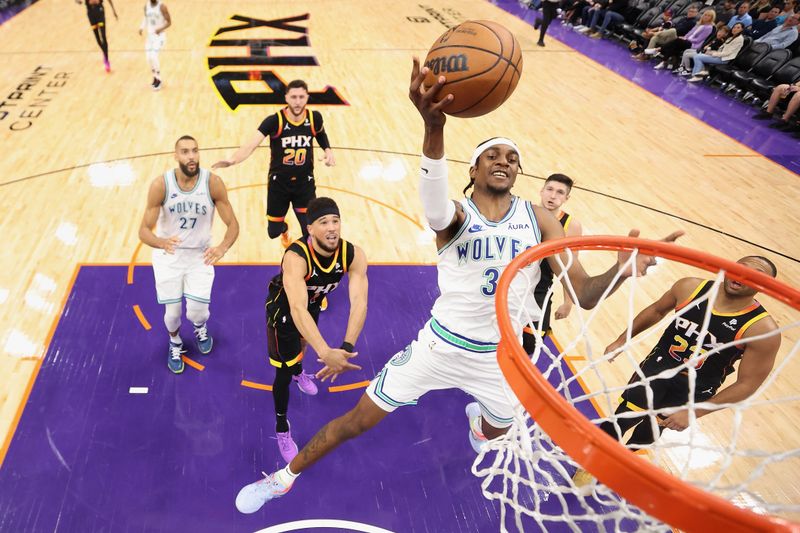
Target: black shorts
[(285, 344), (96, 14), (283, 191), (671, 392), (528, 339)]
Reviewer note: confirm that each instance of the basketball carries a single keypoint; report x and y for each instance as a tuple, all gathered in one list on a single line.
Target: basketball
[(482, 63)]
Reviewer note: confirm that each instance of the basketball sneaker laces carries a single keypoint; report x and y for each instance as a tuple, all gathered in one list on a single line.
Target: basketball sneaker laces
[(201, 333), (175, 351)]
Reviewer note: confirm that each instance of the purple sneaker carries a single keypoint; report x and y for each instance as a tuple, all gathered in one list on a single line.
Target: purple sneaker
[(287, 446), (305, 384)]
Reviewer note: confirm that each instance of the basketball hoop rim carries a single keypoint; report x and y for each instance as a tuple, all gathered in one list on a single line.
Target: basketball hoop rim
[(658, 493)]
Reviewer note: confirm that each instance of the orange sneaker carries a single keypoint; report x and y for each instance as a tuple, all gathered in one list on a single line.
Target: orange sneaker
[(285, 239)]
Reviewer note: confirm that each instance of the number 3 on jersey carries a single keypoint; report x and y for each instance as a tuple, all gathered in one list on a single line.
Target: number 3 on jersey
[(491, 275), (294, 157)]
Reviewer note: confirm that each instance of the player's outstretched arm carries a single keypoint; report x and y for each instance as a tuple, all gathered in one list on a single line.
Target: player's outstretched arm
[(155, 196), (652, 314), (756, 364), (219, 194), (575, 230), (295, 269), (243, 152)]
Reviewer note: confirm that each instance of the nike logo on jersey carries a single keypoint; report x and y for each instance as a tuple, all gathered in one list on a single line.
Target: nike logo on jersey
[(425, 170), (475, 228)]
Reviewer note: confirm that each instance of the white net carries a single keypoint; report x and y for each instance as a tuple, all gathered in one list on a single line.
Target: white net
[(747, 453)]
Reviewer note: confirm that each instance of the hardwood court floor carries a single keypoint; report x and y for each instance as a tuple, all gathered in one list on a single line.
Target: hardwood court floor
[(80, 147)]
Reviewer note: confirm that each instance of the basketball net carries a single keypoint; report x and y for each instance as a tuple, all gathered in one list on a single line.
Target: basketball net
[(727, 471)]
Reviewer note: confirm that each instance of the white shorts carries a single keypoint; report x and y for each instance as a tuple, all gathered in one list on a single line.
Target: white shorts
[(182, 274), (441, 359), (155, 42)]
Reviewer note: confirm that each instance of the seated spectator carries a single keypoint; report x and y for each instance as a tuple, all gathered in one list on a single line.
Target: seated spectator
[(694, 39), (663, 37), (729, 50), (714, 42), (761, 7), (742, 16), (779, 93), (725, 11), (612, 15), (788, 10), (666, 23), (765, 24), (590, 9), (784, 35)]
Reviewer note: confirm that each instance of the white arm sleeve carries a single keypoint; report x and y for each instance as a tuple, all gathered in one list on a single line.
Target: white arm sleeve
[(439, 209)]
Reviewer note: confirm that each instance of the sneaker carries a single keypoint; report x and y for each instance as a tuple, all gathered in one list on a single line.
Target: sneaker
[(476, 437), (650, 51), (578, 27), (696, 79), (175, 359), (323, 304), (157, 85), (703, 73), (660, 65), (540, 43), (107, 65), (762, 115), (252, 497), (285, 239), (287, 446), (596, 35), (305, 384), (584, 29), (204, 341)]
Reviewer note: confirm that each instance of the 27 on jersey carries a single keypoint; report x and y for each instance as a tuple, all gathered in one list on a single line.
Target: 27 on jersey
[(187, 215)]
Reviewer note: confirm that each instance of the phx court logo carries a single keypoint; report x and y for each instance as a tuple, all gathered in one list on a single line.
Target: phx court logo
[(259, 64)]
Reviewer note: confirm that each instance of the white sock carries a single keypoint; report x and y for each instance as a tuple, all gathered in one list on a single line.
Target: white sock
[(176, 339), (286, 476)]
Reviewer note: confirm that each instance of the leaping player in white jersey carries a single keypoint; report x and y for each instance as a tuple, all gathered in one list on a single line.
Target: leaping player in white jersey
[(183, 202), (156, 20), (477, 237)]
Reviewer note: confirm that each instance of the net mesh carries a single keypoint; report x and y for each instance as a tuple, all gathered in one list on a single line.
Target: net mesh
[(748, 453)]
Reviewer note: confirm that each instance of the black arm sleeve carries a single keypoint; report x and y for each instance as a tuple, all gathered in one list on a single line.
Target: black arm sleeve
[(321, 136), (269, 126)]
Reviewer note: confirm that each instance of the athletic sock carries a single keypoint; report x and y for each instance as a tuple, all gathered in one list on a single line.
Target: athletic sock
[(282, 425), (286, 476), (176, 339)]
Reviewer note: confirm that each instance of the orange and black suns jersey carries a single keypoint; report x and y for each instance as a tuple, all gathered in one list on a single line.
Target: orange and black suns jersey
[(679, 341), (291, 144), (546, 278), (322, 277)]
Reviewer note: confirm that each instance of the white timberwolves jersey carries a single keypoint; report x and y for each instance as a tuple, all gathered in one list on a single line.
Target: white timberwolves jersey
[(153, 16), (187, 214), (471, 264)]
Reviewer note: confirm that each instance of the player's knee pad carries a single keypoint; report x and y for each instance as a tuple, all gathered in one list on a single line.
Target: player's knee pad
[(172, 316), (197, 312), (275, 228)]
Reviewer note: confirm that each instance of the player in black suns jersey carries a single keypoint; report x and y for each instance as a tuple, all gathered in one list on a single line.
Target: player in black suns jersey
[(311, 268), (291, 133)]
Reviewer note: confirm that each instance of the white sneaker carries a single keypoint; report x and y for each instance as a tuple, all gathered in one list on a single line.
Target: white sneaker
[(695, 79), (660, 65), (584, 30), (703, 73), (650, 51), (252, 497), (476, 437)]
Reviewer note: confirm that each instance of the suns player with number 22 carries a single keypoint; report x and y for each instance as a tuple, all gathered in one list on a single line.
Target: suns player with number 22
[(477, 237)]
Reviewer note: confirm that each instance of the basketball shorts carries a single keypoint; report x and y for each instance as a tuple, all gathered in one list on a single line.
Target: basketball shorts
[(281, 192), (440, 359), (96, 14), (155, 42), (182, 274)]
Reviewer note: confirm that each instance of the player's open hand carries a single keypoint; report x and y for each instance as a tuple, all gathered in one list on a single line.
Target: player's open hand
[(223, 163), (212, 255), (327, 158), (169, 244), (643, 261), (336, 361), (424, 99), (615, 348), (676, 421)]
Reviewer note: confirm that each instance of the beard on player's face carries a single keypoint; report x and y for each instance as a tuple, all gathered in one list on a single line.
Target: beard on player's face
[(186, 171)]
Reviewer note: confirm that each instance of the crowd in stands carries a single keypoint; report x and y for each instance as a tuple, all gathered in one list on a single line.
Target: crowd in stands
[(749, 49)]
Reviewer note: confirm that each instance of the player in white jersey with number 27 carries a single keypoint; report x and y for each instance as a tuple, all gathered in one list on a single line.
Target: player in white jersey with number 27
[(477, 237), (181, 203), (156, 20)]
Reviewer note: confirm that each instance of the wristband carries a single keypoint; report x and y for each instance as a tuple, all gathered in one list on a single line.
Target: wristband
[(347, 347)]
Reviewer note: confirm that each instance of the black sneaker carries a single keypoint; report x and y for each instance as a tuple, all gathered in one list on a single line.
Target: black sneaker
[(157, 85)]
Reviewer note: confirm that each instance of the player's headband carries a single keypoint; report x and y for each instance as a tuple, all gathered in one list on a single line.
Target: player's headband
[(495, 141), (315, 212)]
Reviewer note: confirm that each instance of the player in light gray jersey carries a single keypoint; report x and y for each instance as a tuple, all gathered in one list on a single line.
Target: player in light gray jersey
[(182, 203), (477, 237), (156, 20)]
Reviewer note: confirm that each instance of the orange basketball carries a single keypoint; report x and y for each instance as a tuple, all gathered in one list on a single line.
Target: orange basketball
[(482, 63)]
